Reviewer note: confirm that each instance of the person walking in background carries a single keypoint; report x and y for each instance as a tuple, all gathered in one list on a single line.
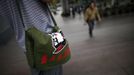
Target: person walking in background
[(79, 10), (90, 15), (34, 14), (73, 11)]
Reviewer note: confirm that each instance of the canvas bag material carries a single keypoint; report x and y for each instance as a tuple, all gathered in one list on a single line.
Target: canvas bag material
[(41, 51), (45, 51)]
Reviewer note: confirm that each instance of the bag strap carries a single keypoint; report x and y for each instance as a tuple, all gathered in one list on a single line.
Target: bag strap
[(21, 15), (51, 15), (49, 12)]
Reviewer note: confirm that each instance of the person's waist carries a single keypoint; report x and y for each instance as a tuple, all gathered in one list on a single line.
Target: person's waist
[(92, 17)]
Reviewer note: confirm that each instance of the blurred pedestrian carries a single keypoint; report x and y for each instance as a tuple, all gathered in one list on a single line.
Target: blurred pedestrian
[(73, 11), (79, 10), (34, 14), (90, 15)]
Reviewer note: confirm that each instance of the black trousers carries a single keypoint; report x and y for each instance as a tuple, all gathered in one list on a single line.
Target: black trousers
[(91, 27)]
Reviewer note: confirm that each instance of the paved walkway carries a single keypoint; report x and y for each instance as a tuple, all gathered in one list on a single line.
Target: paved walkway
[(110, 52)]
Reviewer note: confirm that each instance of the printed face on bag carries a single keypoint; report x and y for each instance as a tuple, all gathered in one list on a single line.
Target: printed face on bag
[(58, 42)]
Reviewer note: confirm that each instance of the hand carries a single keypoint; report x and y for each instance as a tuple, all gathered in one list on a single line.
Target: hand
[(99, 22), (99, 19)]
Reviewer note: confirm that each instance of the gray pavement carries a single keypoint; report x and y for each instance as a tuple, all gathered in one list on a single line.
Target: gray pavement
[(109, 52)]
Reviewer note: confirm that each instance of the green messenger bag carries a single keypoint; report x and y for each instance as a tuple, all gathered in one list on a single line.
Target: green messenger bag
[(46, 51)]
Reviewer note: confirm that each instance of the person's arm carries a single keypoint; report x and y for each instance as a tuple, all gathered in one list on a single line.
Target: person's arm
[(86, 16), (98, 15)]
